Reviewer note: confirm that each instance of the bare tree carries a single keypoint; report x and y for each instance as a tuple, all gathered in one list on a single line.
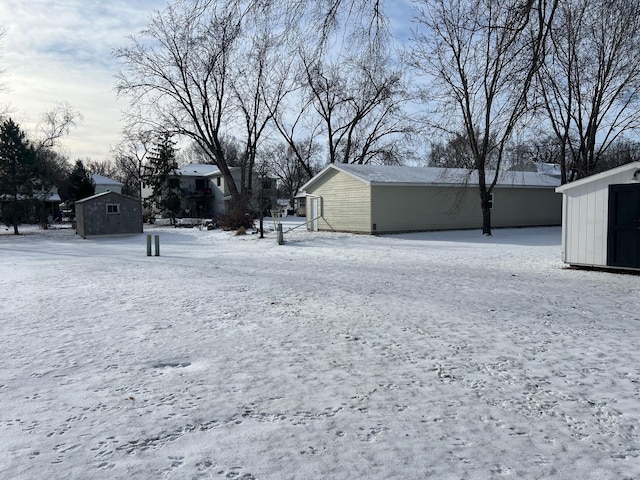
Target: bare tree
[(106, 168), (283, 164), (352, 81), (205, 70), (130, 158), (292, 115), (56, 123), (200, 70), (256, 82), (482, 56), (455, 153), (177, 72), (359, 101), (52, 166), (589, 85)]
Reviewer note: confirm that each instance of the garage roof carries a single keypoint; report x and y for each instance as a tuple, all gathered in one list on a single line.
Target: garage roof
[(402, 175)]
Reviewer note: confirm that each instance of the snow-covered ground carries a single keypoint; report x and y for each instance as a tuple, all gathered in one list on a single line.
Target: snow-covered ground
[(441, 355)]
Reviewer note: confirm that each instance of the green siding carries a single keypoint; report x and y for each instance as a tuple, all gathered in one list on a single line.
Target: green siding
[(351, 205), (416, 208), (526, 207), (346, 203)]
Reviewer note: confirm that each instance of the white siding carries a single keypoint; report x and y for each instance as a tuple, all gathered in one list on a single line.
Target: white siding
[(586, 218)]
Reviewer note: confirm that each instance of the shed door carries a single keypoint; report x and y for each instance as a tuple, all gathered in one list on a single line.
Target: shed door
[(624, 226), (315, 206)]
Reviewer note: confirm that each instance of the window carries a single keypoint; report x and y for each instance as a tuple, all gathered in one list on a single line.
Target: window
[(491, 200), (218, 181), (113, 208)]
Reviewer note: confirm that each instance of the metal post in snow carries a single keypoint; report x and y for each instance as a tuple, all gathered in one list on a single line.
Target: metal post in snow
[(280, 234), (157, 245), (148, 245)]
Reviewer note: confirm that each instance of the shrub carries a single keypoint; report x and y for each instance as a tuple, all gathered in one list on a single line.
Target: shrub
[(234, 221)]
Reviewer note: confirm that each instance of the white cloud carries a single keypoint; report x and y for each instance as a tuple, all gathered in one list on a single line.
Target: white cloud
[(61, 51)]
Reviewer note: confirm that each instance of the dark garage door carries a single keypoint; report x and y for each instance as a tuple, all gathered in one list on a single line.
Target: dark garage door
[(624, 226)]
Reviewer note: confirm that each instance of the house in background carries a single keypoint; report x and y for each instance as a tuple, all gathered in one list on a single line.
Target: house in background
[(391, 199), (205, 193), (551, 169), (199, 190), (108, 213), (601, 219), (42, 206), (105, 184), (300, 204), (52, 202)]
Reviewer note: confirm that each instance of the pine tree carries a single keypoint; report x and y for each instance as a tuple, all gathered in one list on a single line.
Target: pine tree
[(79, 184), (18, 174), (163, 178)]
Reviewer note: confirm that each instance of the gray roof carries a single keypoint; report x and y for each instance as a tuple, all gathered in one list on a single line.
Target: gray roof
[(401, 175), (102, 180), (104, 194), (197, 170)]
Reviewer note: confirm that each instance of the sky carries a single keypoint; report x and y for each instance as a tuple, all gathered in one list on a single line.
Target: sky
[(61, 51)]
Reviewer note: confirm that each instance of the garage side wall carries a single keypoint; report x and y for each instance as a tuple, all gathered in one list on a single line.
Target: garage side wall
[(526, 207), (419, 208), (586, 218), (346, 203)]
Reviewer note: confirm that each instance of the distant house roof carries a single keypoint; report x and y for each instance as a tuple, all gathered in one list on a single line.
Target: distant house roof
[(47, 197), (102, 180), (198, 170), (552, 169), (401, 175)]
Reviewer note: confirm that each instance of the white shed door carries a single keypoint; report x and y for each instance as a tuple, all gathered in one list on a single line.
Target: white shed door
[(314, 212)]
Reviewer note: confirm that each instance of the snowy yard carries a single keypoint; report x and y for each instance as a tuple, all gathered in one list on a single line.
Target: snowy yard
[(437, 355)]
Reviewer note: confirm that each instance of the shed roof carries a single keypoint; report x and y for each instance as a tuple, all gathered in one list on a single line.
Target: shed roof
[(402, 175), (631, 167), (108, 192)]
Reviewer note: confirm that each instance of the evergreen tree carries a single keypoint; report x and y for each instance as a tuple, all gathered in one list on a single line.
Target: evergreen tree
[(163, 178), (18, 174), (79, 185)]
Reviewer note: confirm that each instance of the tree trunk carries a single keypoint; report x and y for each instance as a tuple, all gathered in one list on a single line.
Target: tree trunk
[(486, 213), (15, 229)]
